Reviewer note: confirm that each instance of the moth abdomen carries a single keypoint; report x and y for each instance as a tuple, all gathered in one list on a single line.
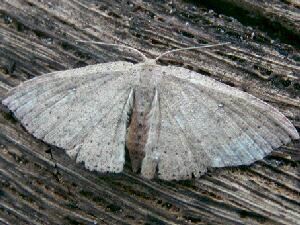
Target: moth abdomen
[(139, 127)]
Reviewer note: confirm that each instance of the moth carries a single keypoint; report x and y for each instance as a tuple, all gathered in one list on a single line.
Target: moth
[(175, 123)]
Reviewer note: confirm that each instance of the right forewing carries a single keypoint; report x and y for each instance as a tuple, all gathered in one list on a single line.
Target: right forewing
[(83, 111)]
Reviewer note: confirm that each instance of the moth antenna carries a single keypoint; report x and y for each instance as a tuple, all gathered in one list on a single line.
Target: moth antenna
[(189, 48), (117, 45)]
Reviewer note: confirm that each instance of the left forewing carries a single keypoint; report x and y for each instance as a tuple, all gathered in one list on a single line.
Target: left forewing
[(205, 123)]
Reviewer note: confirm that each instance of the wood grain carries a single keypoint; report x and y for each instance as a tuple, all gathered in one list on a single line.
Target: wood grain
[(38, 36)]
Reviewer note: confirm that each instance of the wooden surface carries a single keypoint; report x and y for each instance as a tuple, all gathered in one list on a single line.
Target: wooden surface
[(38, 36)]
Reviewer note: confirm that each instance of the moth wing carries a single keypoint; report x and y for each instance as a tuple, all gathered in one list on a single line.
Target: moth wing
[(205, 123), (83, 111)]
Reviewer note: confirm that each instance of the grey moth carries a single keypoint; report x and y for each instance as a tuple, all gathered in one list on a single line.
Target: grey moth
[(175, 123)]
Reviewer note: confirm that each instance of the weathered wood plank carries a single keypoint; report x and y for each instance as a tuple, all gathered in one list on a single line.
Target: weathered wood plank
[(39, 36), (280, 18)]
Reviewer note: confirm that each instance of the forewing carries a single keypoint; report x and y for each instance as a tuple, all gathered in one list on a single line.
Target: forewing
[(205, 123), (83, 111)]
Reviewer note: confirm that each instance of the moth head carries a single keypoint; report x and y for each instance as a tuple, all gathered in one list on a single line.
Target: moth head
[(149, 62)]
